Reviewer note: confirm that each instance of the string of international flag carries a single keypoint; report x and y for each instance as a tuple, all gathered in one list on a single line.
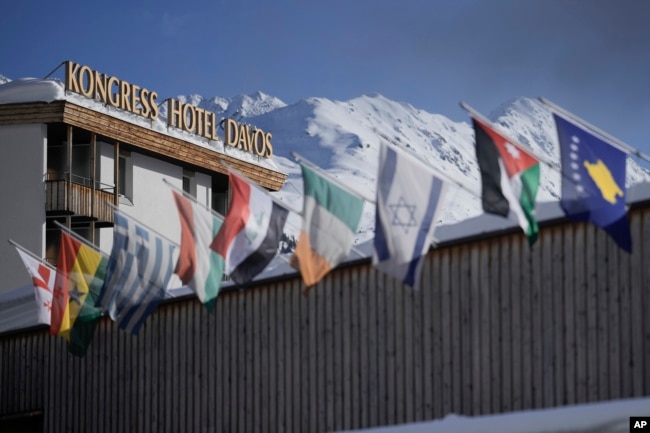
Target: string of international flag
[(128, 284)]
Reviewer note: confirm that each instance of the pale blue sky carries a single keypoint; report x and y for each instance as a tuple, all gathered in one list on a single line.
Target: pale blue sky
[(590, 56)]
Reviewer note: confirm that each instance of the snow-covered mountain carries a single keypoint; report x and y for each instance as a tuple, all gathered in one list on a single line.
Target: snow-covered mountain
[(343, 137)]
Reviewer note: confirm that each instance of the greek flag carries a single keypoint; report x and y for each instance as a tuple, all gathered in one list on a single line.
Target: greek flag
[(139, 269)]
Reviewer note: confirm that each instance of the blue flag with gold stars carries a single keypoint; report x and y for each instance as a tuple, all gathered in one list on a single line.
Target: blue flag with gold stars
[(593, 181), (408, 195)]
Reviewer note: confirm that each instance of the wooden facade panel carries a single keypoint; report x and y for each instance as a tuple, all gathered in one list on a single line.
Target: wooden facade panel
[(39, 112), (146, 139), (497, 325), (172, 147)]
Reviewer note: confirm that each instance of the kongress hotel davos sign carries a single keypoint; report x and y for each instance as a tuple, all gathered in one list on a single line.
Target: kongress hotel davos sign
[(141, 101)]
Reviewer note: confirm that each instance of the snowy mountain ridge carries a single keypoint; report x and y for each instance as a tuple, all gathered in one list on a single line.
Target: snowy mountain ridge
[(343, 138)]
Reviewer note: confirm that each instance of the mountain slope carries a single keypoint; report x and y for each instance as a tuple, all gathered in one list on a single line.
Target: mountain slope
[(343, 137)]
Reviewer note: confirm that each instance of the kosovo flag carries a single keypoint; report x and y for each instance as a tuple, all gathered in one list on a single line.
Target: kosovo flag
[(593, 181)]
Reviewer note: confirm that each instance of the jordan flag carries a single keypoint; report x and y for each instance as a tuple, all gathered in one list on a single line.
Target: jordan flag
[(510, 178)]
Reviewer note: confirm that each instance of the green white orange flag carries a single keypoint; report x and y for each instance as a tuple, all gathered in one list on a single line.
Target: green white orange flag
[(81, 272), (331, 217), (510, 178), (198, 267)]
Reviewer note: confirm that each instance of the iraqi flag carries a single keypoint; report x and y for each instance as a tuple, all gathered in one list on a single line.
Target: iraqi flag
[(510, 178), (250, 234)]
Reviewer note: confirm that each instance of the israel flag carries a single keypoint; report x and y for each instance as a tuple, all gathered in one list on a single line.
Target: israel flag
[(408, 195), (139, 268)]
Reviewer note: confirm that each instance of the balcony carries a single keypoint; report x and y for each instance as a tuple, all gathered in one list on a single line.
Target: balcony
[(79, 200)]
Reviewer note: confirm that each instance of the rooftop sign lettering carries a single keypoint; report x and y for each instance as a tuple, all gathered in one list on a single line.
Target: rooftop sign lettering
[(142, 102)]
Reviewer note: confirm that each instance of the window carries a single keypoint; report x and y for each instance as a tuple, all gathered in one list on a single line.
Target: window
[(125, 178), (220, 193), (189, 182)]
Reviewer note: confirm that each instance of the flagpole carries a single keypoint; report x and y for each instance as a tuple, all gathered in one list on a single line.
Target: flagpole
[(31, 254), (331, 178), (615, 141), (142, 224), (191, 197), (517, 143), (438, 173), (79, 238), (276, 201)]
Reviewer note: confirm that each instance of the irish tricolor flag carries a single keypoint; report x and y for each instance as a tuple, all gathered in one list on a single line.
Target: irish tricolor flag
[(510, 178), (198, 267), (330, 219), (250, 234)]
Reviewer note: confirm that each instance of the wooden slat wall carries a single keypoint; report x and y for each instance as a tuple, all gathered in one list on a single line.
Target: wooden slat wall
[(497, 326)]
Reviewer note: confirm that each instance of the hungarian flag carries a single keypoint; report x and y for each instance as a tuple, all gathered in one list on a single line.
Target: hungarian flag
[(198, 267), (330, 216), (81, 272), (250, 234), (510, 178), (43, 278)]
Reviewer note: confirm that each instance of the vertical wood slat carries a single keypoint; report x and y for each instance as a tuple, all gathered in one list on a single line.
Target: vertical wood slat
[(558, 334), (505, 319), (446, 333), (643, 321), (547, 294), (475, 320), (486, 329), (371, 309), (592, 315), (361, 348), (569, 289), (526, 325), (338, 377), (515, 320), (456, 338), (495, 326), (580, 284), (428, 316), (640, 226)]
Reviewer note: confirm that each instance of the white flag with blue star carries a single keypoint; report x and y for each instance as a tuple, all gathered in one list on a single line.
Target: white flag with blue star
[(408, 195)]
